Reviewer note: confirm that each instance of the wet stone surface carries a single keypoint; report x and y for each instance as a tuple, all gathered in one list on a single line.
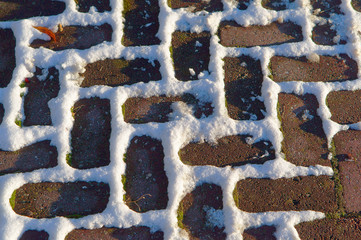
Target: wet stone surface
[(190, 53), (145, 181), (119, 72), (100, 5), (325, 8), (90, 134), (325, 35), (243, 4), (141, 22), (133, 233), (328, 69), (196, 6), (304, 142), (345, 106), (16, 9), (159, 109), (263, 232), (77, 37), (42, 87), (35, 156), (344, 228), (298, 194), (7, 56), (233, 35), (200, 212), (231, 150), (48, 200), (2, 112), (243, 83), (34, 235), (277, 5)]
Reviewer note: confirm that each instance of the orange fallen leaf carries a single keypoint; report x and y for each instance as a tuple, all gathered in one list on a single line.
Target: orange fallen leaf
[(47, 31)]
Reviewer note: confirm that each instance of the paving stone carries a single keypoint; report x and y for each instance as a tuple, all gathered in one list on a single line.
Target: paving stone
[(344, 106), (325, 35), (2, 112), (72, 199), (34, 235), (356, 4), (328, 69), (200, 213), (190, 53), (42, 87), (141, 22), (344, 228), (233, 35), (16, 10), (90, 134), (298, 194), (260, 233), (196, 6), (145, 181), (231, 150), (77, 37), (243, 4), (348, 153), (120, 72), (277, 5), (100, 5), (158, 108), (7, 56), (304, 142), (243, 83), (32, 157), (104, 233), (326, 7)]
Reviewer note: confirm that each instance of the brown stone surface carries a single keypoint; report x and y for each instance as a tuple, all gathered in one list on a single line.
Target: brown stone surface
[(35, 156), (324, 35), (328, 69), (277, 5), (141, 22), (233, 35), (100, 5), (16, 9), (260, 233), (133, 233), (34, 235), (327, 7), (7, 56), (230, 150), (42, 87), (298, 194), (48, 200), (190, 50), (157, 109), (145, 181), (345, 106), (304, 142), (120, 72), (348, 152), (243, 83), (196, 6), (195, 212), (77, 37), (356, 4), (344, 228), (90, 134)]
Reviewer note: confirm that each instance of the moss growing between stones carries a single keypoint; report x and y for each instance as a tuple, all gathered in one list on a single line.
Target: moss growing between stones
[(69, 159), (180, 215), (76, 216), (18, 122), (12, 200)]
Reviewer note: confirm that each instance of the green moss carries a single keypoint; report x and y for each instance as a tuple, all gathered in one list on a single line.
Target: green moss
[(12, 200), (74, 216), (127, 6), (22, 94), (123, 110), (18, 122), (180, 215), (169, 3), (69, 159), (235, 196), (22, 84), (120, 63)]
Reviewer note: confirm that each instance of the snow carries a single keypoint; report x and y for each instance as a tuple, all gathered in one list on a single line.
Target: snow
[(175, 134)]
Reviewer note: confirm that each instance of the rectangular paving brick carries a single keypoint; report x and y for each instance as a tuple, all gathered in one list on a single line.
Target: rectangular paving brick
[(7, 56), (327, 69), (325, 8), (196, 6), (298, 194), (277, 5), (345, 106), (304, 142), (324, 34), (120, 72), (100, 5), (263, 232), (243, 83), (233, 35)]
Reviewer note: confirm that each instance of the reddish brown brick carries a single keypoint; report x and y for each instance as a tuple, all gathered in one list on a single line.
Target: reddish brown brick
[(277, 5), (348, 152), (48, 200), (263, 232), (230, 150), (344, 228), (325, 35), (35, 156), (328, 69), (7, 56), (34, 235), (345, 106), (196, 6), (304, 142), (100, 5), (298, 194), (233, 35), (356, 4)]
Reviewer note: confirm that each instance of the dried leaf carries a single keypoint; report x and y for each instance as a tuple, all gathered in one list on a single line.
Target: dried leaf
[(47, 31)]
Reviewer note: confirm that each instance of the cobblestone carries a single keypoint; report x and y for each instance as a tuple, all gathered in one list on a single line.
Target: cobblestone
[(7, 56), (344, 106)]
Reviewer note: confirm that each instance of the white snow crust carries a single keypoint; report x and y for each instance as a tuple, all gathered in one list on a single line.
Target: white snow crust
[(175, 134)]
